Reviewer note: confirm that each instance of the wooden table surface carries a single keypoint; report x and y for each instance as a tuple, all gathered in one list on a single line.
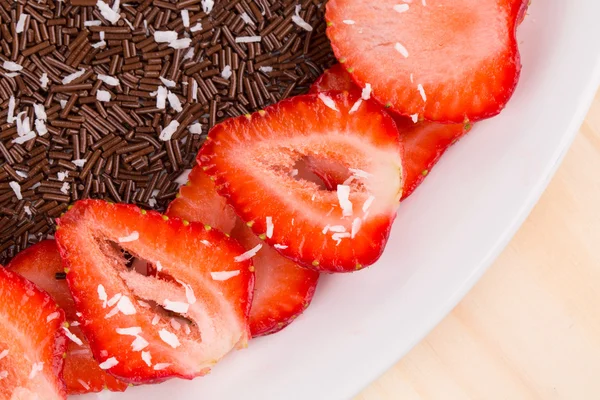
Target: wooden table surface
[(530, 328)]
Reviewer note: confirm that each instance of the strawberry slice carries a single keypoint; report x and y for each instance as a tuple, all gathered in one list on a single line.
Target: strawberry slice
[(334, 78), (423, 142), (283, 290), (252, 158), (197, 201), (145, 329), (32, 341), (446, 61), (40, 263)]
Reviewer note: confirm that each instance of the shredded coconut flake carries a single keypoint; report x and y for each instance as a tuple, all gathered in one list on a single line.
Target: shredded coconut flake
[(185, 18), (109, 363), (246, 18), (196, 28), (93, 22), (343, 194), (155, 320), (169, 130), (3, 353), (366, 92), (49, 318), (339, 236), (24, 138), (109, 80), (65, 188), (356, 224), (195, 128), (159, 266), (147, 358), (189, 292), (355, 106), (349, 21), (126, 306), (248, 39), (266, 69), (194, 90), (328, 101), (102, 95), (165, 36), (167, 82), (176, 306), (401, 49), (83, 384), (368, 203), (337, 228), (133, 331), (99, 45), (224, 275), (27, 210), (11, 110), (247, 255), (280, 246), (21, 173), (35, 368), (226, 73), (182, 43), (183, 178), (169, 338), (297, 19), (16, 188), (132, 237), (401, 8), (161, 97), (207, 5), (44, 81), (80, 162), (161, 366), (422, 92), (21, 23), (108, 13), (70, 78), (12, 66), (174, 101), (270, 227), (40, 111), (102, 295), (72, 337)]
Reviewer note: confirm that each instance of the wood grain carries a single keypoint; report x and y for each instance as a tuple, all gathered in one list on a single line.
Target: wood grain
[(530, 329)]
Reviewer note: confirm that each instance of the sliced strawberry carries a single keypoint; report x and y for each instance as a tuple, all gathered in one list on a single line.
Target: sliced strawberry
[(252, 158), (40, 263), (423, 142), (282, 290), (32, 341), (197, 201), (146, 329), (446, 61), (335, 78)]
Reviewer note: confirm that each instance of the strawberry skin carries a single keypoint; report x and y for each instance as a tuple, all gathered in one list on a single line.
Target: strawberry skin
[(252, 158), (423, 142), (40, 263), (282, 289), (447, 61), (32, 341), (133, 321), (335, 78), (197, 201)]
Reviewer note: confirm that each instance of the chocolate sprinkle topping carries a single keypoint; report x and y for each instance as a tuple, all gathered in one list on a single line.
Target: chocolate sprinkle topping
[(85, 97)]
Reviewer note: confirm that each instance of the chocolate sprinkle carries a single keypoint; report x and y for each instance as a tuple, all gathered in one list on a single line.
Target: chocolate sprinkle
[(89, 92)]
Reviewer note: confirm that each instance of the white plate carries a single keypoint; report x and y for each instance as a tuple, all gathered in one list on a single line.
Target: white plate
[(445, 237)]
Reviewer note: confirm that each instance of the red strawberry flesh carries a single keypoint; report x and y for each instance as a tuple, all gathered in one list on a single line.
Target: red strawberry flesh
[(125, 313), (40, 263), (32, 341), (446, 61), (252, 158)]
